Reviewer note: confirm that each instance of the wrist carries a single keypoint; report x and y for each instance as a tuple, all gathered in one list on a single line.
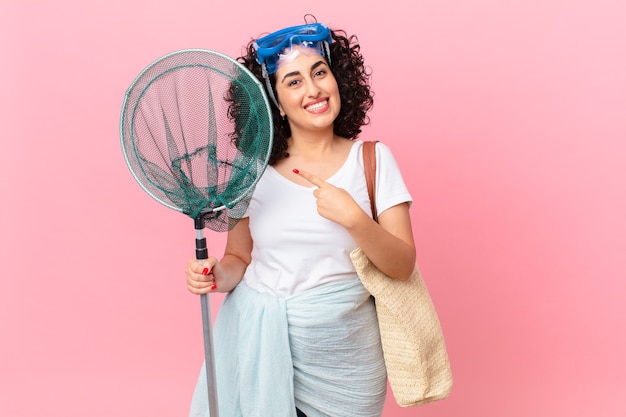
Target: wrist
[(358, 222)]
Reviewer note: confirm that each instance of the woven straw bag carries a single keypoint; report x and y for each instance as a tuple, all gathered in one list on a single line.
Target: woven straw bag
[(412, 338)]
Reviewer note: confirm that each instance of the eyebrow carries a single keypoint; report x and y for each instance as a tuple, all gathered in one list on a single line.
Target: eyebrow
[(294, 73)]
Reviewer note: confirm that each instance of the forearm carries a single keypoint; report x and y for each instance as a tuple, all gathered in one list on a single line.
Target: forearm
[(388, 244), (231, 269), (237, 256)]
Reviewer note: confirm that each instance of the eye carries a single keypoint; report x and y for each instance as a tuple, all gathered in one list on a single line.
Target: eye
[(293, 82)]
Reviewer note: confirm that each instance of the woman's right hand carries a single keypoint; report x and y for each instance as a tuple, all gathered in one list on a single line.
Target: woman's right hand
[(211, 275), (201, 275)]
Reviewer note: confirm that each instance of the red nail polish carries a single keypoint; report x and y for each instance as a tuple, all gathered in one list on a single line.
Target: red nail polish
[(205, 271), (213, 287), (296, 171)]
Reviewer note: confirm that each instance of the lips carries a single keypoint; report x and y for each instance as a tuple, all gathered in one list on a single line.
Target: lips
[(318, 106)]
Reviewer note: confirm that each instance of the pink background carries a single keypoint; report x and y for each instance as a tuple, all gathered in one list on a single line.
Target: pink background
[(507, 118)]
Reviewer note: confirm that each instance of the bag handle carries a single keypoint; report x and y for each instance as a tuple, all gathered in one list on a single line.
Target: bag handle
[(369, 163)]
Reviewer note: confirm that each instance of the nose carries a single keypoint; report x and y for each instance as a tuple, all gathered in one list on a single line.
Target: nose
[(313, 89)]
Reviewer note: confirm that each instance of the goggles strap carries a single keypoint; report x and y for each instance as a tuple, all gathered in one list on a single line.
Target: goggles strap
[(327, 49), (268, 85)]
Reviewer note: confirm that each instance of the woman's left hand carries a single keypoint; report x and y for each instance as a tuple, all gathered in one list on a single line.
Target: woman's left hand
[(334, 203), (388, 244)]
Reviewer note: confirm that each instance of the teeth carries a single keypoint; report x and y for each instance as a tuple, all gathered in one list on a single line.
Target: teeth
[(317, 106)]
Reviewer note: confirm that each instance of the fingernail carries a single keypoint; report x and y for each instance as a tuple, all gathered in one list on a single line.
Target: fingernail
[(205, 271), (296, 171), (213, 287)]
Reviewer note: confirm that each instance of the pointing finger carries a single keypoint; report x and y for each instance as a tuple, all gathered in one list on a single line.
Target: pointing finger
[(318, 182)]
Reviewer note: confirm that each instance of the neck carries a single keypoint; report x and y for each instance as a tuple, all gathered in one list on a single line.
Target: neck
[(312, 144)]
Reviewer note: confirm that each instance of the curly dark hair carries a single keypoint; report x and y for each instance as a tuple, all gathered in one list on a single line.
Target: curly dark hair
[(352, 78)]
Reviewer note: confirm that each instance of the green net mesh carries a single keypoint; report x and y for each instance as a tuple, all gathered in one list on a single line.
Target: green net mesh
[(196, 133)]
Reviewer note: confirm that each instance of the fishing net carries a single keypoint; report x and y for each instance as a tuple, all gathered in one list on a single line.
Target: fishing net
[(196, 132)]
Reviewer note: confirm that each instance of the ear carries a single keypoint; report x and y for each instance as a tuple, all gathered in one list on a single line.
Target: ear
[(282, 112)]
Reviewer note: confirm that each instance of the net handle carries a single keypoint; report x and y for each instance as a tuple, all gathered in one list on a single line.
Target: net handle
[(202, 254), (209, 357)]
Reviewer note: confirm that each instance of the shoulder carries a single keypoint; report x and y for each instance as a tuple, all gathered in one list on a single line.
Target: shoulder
[(383, 152), (382, 148)]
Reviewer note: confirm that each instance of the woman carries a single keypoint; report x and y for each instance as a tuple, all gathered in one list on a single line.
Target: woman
[(297, 332)]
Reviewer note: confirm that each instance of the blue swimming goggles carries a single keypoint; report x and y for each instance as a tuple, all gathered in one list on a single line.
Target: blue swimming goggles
[(275, 48), (271, 48)]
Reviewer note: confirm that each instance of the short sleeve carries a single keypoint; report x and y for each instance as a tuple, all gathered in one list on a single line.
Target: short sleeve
[(391, 189)]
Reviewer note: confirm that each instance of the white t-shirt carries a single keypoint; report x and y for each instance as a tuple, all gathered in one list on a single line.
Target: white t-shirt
[(295, 248)]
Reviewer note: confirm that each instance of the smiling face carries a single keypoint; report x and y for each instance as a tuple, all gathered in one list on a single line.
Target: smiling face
[(307, 93)]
